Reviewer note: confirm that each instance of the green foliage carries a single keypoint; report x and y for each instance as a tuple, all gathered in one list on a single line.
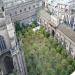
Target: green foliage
[(44, 55), (42, 30), (14, 73), (17, 26)]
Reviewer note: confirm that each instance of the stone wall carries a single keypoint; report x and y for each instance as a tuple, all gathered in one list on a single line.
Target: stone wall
[(24, 12)]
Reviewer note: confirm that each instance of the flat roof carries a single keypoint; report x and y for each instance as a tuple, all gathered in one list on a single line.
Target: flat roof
[(67, 31), (46, 15)]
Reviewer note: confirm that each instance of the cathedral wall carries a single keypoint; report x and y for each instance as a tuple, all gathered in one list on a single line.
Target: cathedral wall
[(11, 34), (4, 34), (19, 63)]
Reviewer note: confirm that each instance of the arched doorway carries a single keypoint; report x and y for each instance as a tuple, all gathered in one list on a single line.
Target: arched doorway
[(53, 33), (8, 63)]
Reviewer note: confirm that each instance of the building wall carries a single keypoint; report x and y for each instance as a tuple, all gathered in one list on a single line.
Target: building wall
[(24, 12), (12, 53), (4, 34), (68, 44), (70, 15)]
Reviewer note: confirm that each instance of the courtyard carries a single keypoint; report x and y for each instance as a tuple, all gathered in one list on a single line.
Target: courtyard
[(43, 54)]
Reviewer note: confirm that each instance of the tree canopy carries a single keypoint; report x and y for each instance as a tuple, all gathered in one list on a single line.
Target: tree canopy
[(43, 54)]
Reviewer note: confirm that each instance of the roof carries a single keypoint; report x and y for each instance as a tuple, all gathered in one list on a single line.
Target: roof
[(46, 15), (9, 3), (67, 31)]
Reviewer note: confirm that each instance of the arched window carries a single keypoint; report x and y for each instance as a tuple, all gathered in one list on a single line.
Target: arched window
[(24, 9), (2, 43), (20, 11), (8, 63), (29, 8), (2, 8)]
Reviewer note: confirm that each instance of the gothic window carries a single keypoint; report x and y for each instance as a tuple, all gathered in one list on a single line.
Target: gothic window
[(72, 21), (8, 63), (2, 43)]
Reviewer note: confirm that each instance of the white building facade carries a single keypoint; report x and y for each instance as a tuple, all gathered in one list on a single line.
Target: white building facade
[(63, 33), (70, 15)]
